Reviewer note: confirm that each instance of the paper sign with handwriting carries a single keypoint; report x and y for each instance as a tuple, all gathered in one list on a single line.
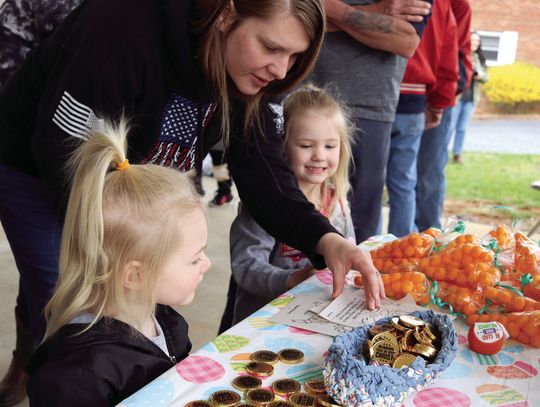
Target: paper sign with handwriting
[(350, 309)]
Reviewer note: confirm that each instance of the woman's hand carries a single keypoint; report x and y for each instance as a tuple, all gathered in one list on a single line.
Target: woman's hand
[(341, 256)]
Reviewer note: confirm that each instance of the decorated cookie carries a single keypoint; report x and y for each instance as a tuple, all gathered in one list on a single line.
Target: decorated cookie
[(501, 396)]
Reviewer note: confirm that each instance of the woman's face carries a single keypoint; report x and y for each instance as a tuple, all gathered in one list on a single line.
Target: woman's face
[(259, 51), (475, 42)]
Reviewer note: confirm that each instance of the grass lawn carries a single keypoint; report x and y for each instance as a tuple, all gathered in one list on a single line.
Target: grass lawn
[(488, 179)]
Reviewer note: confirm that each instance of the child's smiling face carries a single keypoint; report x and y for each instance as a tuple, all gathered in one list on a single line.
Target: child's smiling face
[(185, 266), (313, 147)]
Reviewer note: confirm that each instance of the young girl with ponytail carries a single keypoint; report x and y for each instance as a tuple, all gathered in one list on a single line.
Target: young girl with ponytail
[(132, 246)]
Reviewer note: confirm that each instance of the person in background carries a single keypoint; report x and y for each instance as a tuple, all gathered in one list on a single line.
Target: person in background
[(132, 247), (187, 74), (317, 144), (23, 25), (433, 151), (222, 175), (462, 113), (428, 87), (365, 54)]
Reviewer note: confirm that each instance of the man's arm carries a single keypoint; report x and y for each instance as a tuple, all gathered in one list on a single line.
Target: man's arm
[(379, 31)]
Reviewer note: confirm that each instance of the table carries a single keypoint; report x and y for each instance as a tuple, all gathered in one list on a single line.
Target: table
[(508, 379)]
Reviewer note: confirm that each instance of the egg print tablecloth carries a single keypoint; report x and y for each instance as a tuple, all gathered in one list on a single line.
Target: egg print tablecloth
[(508, 379)]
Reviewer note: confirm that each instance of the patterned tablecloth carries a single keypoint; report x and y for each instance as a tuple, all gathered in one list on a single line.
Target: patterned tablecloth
[(509, 378)]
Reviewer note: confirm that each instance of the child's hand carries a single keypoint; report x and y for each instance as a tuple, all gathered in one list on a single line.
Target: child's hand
[(342, 256)]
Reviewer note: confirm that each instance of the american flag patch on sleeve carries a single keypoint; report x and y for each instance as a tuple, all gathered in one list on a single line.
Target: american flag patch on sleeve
[(75, 118)]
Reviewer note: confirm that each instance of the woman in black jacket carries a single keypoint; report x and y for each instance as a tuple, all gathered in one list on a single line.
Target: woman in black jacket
[(187, 73)]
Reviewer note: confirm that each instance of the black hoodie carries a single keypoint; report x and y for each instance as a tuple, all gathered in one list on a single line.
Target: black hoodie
[(105, 364)]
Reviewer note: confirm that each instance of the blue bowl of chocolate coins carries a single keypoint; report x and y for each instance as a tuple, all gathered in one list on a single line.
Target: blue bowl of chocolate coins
[(384, 363)]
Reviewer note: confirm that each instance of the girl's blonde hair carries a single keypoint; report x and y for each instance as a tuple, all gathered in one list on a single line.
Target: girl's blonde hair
[(310, 98), (113, 217), (211, 57)]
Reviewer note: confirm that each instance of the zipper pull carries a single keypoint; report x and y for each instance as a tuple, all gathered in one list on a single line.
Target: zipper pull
[(173, 359)]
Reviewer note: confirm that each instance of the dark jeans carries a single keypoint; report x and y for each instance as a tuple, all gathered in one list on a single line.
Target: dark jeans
[(33, 228), (370, 155)]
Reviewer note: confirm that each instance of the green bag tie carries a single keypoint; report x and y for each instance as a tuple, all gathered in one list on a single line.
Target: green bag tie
[(437, 301), (484, 309), (509, 287), (460, 227), (525, 279), (493, 245)]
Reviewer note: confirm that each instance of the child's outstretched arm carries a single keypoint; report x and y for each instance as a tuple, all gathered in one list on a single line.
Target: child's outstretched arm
[(251, 250), (341, 256)]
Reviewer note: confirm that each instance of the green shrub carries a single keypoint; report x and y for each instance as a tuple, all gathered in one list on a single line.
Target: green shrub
[(513, 85)]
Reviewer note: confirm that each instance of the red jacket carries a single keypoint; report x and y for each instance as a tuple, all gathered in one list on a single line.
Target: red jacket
[(463, 13), (433, 69)]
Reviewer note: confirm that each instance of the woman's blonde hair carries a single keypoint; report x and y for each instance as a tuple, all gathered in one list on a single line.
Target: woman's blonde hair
[(311, 99), (211, 57), (115, 216)]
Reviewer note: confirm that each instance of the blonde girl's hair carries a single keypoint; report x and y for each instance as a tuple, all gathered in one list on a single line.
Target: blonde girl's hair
[(310, 98), (211, 57), (114, 217)]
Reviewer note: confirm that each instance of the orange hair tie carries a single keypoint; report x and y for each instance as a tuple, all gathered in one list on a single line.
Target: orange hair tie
[(123, 165)]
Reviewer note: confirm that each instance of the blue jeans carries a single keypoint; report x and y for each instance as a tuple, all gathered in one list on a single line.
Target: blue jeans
[(33, 228), (401, 172), (370, 155), (462, 114), (431, 185)]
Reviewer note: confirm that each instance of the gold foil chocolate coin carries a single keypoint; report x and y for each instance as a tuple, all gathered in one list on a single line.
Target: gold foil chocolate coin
[(425, 350), (225, 398), (315, 386), (261, 397), (384, 352), (428, 331), (246, 405), (326, 401), (404, 359), (260, 369), (266, 356), (410, 321), (377, 329), (303, 399), (199, 403), (395, 324), (384, 336), (281, 403), (285, 387), (291, 356), (245, 383)]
